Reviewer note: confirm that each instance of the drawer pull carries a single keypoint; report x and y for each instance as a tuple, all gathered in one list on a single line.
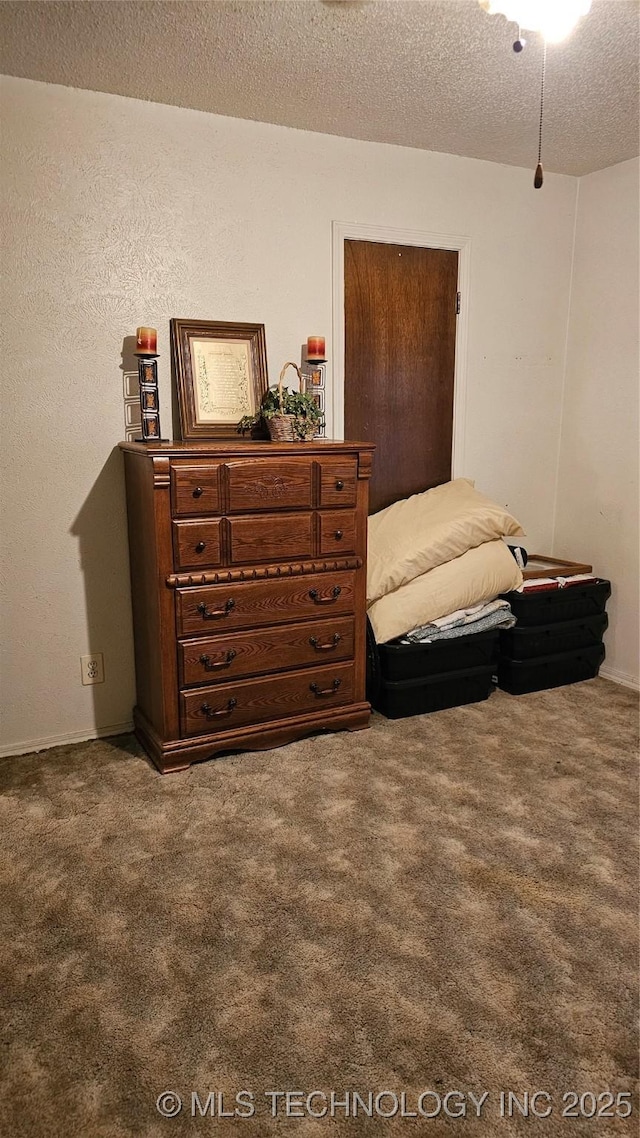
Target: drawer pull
[(338, 535), (333, 596), (209, 667), (215, 614), (339, 484), (333, 643), (198, 492), (207, 710), (201, 546), (325, 691)]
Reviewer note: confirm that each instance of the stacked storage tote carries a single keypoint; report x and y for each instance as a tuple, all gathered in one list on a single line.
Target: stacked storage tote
[(558, 637)]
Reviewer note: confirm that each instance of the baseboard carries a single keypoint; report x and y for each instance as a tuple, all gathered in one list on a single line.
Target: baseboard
[(48, 741), (61, 740), (617, 677)]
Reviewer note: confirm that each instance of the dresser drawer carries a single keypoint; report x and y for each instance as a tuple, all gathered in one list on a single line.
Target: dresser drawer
[(196, 545), (195, 489), (275, 538), (338, 482), (208, 710), (262, 484), (217, 659), (337, 532), (218, 608)]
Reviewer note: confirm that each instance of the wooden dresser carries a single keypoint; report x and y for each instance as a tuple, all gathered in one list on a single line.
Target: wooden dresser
[(248, 584)]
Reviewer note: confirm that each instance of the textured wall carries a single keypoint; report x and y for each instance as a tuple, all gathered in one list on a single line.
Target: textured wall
[(598, 508), (122, 212)]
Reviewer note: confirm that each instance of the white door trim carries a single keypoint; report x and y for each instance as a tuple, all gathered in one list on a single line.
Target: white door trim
[(352, 231)]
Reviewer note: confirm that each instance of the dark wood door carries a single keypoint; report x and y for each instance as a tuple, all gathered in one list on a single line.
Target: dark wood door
[(400, 327)]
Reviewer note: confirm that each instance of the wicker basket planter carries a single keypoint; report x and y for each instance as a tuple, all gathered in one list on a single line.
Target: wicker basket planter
[(291, 428), (301, 419)]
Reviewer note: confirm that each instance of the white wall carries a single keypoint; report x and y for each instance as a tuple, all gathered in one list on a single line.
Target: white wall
[(597, 505), (123, 212)]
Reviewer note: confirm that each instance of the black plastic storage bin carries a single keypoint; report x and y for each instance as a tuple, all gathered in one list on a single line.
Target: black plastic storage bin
[(523, 642), (548, 606), (413, 679), (540, 672), (398, 699), (413, 661)]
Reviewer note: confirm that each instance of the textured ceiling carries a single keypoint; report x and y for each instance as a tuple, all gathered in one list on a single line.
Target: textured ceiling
[(435, 74)]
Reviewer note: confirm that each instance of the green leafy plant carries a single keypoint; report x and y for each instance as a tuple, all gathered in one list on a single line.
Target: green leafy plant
[(281, 401)]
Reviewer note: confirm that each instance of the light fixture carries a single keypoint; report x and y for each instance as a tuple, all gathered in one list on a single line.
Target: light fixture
[(554, 19)]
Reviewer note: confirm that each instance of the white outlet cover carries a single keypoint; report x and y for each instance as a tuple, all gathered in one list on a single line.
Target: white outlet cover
[(92, 668)]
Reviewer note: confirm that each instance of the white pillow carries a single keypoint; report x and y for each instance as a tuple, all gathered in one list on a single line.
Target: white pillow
[(417, 534), (477, 575)]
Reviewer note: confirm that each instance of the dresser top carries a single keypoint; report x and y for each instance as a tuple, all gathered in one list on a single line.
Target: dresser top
[(243, 447)]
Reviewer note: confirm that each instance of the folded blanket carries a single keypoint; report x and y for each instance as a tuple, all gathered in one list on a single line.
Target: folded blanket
[(478, 575), (479, 618)]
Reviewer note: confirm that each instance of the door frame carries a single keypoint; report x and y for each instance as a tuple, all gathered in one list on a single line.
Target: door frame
[(352, 231)]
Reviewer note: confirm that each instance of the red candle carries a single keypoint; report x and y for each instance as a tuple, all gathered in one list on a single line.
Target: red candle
[(316, 349), (146, 341)]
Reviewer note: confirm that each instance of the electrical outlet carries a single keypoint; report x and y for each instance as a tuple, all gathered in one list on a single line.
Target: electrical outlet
[(92, 668)]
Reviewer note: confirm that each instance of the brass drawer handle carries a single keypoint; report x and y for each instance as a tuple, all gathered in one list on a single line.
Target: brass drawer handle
[(333, 596), (338, 535), (215, 614), (209, 667), (207, 710), (339, 484), (325, 691), (335, 640), (198, 492), (201, 546)]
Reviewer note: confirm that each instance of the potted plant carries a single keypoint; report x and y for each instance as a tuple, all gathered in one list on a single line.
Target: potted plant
[(289, 415)]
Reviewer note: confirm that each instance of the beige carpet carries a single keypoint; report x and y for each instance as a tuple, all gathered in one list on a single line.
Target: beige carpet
[(439, 904)]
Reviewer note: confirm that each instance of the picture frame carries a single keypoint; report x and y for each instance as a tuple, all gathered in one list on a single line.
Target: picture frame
[(539, 565), (219, 372)]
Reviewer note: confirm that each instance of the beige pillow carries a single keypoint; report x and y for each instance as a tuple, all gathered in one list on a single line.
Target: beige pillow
[(413, 536), (477, 575)]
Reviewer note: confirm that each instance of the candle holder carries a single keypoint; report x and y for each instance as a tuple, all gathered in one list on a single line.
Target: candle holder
[(149, 401)]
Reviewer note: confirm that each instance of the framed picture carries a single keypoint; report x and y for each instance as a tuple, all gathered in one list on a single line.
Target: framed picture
[(538, 565), (219, 374)]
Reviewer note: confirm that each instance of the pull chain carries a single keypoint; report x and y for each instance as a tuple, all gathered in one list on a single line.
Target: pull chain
[(539, 176)]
